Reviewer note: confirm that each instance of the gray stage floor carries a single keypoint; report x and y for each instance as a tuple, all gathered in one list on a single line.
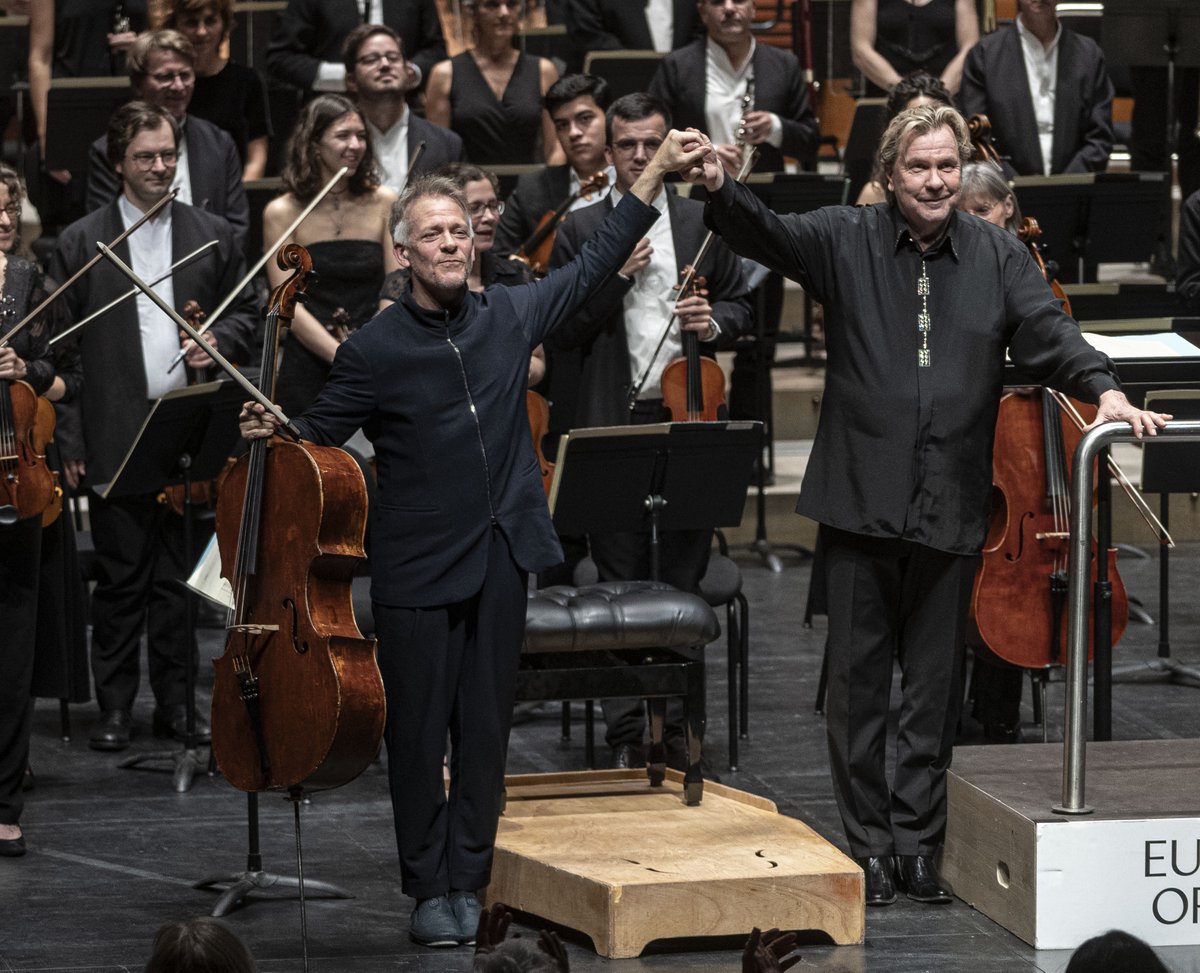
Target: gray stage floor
[(113, 853)]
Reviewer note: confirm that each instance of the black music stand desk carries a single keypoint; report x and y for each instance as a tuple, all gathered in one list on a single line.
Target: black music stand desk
[(186, 438)]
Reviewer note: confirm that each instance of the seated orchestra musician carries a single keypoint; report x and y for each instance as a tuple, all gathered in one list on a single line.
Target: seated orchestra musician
[(346, 236), (27, 359), (604, 349), (126, 355), (461, 519)]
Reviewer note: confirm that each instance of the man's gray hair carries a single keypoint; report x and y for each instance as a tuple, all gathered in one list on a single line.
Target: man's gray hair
[(420, 188), (913, 122)]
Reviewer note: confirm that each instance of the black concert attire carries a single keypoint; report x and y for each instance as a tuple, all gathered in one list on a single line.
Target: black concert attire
[(1187, 275), (20, 550), (460, 522), (235, 100), (214, 174), (900, 473), (614, 25), (911, 37), (308, 32), (497, 132), (349, 275), (138, 541), (996, 84), (589, 364)]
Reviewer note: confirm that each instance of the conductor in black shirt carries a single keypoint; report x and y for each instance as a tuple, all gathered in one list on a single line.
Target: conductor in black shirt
[(921, 303)]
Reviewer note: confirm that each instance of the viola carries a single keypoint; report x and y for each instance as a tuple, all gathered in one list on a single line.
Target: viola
[(535, 252), (693, 387), (43, 435), (27, 484), (298, 701), (538, 410)]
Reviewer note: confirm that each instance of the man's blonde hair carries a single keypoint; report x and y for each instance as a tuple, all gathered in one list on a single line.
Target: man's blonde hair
[(913, 122)]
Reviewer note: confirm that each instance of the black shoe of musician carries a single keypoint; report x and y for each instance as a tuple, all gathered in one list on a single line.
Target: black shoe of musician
[(433, 923), (171, 722), (880, 887), (467, 910), (919, 879), (111, 731), (12, 847)]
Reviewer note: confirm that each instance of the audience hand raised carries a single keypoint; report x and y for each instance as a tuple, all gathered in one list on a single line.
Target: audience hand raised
[(765, 952)]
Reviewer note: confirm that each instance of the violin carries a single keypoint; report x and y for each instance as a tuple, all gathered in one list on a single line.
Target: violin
[(535, 252), (27, 484), (693, 387), (298, 701), (538, 410)]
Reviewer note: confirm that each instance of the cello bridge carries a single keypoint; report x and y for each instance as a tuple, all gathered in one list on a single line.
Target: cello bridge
[(1053, 535)]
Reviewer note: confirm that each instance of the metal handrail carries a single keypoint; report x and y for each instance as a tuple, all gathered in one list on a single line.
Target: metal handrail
[(1078, 596)]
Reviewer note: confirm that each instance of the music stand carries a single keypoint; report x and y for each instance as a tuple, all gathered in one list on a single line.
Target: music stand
[(188, 435), (625, 71), (1060, 205), (77, 113)]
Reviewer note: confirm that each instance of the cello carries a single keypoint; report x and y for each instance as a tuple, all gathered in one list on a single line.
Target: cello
[(298, 701)]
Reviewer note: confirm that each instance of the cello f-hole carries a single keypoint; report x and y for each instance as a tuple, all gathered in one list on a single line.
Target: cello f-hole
[(290, 607)]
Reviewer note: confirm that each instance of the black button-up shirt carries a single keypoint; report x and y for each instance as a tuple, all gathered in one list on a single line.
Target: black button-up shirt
[(903, 450)]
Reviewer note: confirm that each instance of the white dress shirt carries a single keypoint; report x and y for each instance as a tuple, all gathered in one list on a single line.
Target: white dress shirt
[(724, 89), (391, 151), (650, 301), (1041, 67), (660, 18), (150, 257)]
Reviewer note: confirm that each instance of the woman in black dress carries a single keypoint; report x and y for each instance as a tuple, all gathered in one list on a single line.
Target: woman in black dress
[(491, 94), (27, 359), (229, 95), (892, 38)]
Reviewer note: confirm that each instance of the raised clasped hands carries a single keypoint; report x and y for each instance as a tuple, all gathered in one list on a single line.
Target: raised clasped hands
[(691, 153), (1114, 407)]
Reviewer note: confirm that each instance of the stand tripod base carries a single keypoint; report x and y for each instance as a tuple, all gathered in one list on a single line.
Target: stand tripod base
[(187, 763), (245, 883), (1158, 670), (769, 553)]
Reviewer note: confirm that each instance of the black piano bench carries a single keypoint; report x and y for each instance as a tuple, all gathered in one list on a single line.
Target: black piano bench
[(623, 639)]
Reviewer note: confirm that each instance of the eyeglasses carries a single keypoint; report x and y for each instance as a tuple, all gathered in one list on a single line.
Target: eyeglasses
[(370, 60), (12, 211), (630, 146), (497, 4), (145, 160), (165, 78), (495, 207)]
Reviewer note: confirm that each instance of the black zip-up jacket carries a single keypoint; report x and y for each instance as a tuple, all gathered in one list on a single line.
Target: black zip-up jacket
[(442, 396)]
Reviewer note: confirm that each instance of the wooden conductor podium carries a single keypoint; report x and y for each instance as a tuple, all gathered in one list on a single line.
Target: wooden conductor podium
[(604, 853)]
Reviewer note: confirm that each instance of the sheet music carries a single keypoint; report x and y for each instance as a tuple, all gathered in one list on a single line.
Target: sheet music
[(1162, 344)]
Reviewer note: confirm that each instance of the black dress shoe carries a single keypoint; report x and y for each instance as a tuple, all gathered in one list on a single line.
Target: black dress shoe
[(171, 722), (918, 877), (111, 731), (626, 755), (12, 847), (880, 887)]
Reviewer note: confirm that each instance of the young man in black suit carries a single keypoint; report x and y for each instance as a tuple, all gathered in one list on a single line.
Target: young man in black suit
[(306, 46), (461, 519), (376, 72), (613, 338), (125, 355), (576, 104), (1046, 91)]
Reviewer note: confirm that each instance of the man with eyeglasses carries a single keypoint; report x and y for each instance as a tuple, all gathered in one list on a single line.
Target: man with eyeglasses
[(125, 355), (306, 46), (207, 169), (377, 80), (613, 340)]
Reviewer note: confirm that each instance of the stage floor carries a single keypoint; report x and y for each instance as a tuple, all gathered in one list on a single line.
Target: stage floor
[(113, 853)]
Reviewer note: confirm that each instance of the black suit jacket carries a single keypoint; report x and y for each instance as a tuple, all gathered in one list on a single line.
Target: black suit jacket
[(778, 87), (535, 194), (113, 402), (310, 31), (214, 170), (613, 25), (597, 331), (441, 144), (996, 84), (442, 396)]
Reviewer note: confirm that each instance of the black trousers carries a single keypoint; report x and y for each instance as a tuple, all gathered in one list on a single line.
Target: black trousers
[(683, 559), (140, 559), (20, 545), (451, 668), (890, 597)]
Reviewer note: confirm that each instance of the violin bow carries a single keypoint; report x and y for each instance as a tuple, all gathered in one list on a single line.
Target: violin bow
[(178, 265), (226, 366), (1135, 496), (85, 268), (689, 274), (268, 253), (412, 164)]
